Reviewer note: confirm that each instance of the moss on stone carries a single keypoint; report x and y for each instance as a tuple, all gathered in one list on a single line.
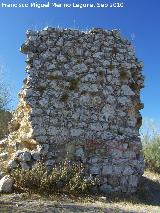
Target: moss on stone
[(101, 73), (73, 84), (64, 97), (114, 51), (123, 74), (134, 86), (111, 67), (53, 77)]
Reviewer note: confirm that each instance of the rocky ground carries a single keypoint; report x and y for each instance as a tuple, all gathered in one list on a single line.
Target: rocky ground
[(146, 200)]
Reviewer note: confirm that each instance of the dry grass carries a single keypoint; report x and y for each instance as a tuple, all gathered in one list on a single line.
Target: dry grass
[(147, 199)]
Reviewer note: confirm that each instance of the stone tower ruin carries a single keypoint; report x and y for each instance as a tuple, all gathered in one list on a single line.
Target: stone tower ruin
[(81, 100)]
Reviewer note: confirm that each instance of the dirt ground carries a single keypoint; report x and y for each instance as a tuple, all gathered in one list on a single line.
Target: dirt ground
[(146, 200)]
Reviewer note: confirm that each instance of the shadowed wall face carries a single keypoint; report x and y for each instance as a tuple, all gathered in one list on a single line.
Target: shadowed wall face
[(81, 100)]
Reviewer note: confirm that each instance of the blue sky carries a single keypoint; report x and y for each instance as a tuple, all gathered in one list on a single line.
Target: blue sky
[(138, 20)]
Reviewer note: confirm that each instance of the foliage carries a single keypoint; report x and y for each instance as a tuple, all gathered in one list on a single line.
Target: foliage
[(63, 178), (151, 145), (4, 96), (5, 117), (151, 153), (4, 91)]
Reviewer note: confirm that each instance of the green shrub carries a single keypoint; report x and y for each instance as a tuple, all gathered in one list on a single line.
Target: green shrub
[(63, 178), (5, 118), (31, 180), (151, 152)]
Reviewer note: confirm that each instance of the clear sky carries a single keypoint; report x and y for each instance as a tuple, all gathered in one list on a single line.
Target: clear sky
[(138, 20)]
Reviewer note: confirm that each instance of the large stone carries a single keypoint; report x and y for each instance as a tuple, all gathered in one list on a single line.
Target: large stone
[(24, 166), (124, 183), (76, 132), (2, 174), (105, 188), (12, 164), (79, 152), (35, 155), (128, 171), (6, 184), (98, 55), (126, 90), (95, 169), (107, 170), (133, 180), (25, 156)]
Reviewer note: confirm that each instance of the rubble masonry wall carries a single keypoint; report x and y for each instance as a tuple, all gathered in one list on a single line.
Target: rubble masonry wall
[(81, 100)]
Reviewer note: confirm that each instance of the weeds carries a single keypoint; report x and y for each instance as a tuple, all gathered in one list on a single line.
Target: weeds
[(151, 145), (151, 153), (63, 178)]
